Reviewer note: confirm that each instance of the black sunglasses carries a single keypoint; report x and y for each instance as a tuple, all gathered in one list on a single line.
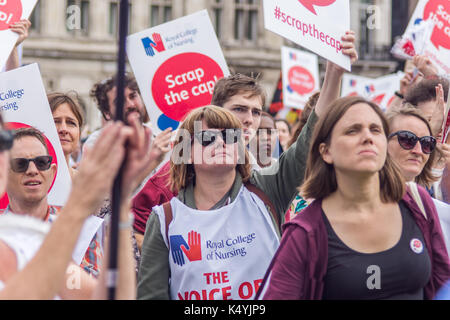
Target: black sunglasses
[(207, 137), (407, 140), (6, 140), (20, 165)]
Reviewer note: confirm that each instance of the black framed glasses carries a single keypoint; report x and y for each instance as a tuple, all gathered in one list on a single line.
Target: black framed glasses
[(407, 140), (20, 165), (207, 137), (6, 140)]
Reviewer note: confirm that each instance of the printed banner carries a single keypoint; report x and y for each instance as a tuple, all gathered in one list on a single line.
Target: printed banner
[(11, 11), (300, 76), (317, 25), (437, 47), (380, 90), (176, 65), (23, 103)]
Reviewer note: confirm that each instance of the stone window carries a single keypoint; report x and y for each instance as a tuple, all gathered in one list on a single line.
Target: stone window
[(246, 20), (160, 12)]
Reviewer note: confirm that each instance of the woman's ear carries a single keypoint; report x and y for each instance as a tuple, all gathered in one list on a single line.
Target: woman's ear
[(325, 153)]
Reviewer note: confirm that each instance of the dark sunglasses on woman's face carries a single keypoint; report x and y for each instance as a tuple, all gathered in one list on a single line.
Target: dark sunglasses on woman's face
[(407, 140), (207, 137), (20, 165), (6, 140)]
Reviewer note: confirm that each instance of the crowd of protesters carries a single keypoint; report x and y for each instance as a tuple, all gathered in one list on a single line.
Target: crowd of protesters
[(349, 202)]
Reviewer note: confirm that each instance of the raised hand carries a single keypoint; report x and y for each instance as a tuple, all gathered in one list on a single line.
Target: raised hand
[(425, 66), (21, 28), (175, 246), (158, 43), (437, 119), (194, 250)]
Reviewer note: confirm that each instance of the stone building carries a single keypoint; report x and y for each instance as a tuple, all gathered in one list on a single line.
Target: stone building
[(74, 41)]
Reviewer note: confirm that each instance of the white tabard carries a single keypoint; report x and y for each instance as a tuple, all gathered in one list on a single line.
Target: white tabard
[(219, 254)]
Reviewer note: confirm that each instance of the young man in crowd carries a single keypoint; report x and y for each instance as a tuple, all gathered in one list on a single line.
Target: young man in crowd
[(29, 179)]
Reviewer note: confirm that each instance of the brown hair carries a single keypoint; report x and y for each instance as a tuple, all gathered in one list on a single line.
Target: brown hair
[(30, 132), (309, 106), (235, 84), (56, 99), (215, 117), (425, 90), (100, 89), (426, 177), (320, 177)]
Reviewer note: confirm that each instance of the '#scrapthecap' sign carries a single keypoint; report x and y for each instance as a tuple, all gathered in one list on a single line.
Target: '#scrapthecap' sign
[(317, 25)]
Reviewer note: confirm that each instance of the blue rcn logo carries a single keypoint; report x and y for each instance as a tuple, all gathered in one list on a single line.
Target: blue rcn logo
[(151, 44)]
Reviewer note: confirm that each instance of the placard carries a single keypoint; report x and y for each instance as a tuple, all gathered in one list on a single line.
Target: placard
[(11, 11), (300, 76), (317, 25), (176, 65), (23, 103)]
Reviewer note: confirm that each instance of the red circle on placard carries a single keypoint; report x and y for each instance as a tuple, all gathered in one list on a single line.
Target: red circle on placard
[(176, 87), (301, 80), (51, 151), (10, 13), (440, 10)]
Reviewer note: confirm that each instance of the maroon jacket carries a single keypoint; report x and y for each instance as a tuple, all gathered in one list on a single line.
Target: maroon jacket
[(298, 268), (155, 192)]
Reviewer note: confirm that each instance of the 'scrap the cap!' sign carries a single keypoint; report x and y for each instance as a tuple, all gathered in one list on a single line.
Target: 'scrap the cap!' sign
[(176, 65)]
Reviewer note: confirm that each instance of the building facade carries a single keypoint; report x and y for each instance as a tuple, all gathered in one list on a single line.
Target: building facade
[(75, 41)]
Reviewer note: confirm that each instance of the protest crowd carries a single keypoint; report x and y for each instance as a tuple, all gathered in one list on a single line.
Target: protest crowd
[(349, 202)]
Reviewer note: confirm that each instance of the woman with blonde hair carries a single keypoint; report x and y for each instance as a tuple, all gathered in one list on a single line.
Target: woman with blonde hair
[(363, 237), (217, 237), (414, 150)]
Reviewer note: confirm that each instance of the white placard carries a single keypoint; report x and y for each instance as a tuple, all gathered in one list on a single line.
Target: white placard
[(317, 25), (176, 65), (11, 11), (379, 90), (23, 102), (300, 76), (437, 47)]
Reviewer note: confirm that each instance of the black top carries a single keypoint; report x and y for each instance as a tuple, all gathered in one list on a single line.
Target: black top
[(400, 272)]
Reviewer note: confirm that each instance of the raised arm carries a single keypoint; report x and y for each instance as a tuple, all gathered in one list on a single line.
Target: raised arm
[(280, 184), (21, 28)]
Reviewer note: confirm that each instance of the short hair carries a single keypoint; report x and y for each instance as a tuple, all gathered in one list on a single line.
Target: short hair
[(56, 99), (425, 90), (30, 132), (426, 177), (235, 84), (286, 122), (100, 89), (215, 117), (320, 177), (268, 115)]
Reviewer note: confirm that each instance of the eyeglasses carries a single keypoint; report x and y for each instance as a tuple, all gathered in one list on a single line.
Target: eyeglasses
[(20, 165), (407, 140), (207, 137), (6, 140)]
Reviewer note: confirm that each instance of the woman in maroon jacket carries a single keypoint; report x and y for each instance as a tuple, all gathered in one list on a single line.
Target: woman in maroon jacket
[(364, 237)]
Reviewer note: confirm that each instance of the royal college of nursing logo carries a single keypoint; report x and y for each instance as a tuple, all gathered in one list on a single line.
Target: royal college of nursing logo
[(192, 249), (150, 45)]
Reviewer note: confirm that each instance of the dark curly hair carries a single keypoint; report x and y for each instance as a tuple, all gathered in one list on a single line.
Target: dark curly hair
[(100, 89)]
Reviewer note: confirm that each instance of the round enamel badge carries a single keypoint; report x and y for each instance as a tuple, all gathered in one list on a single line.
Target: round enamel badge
[(416, 246)]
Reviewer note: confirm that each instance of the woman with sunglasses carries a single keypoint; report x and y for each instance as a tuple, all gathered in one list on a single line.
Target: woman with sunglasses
[(364, 237), (413, 148), (215, 239)]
